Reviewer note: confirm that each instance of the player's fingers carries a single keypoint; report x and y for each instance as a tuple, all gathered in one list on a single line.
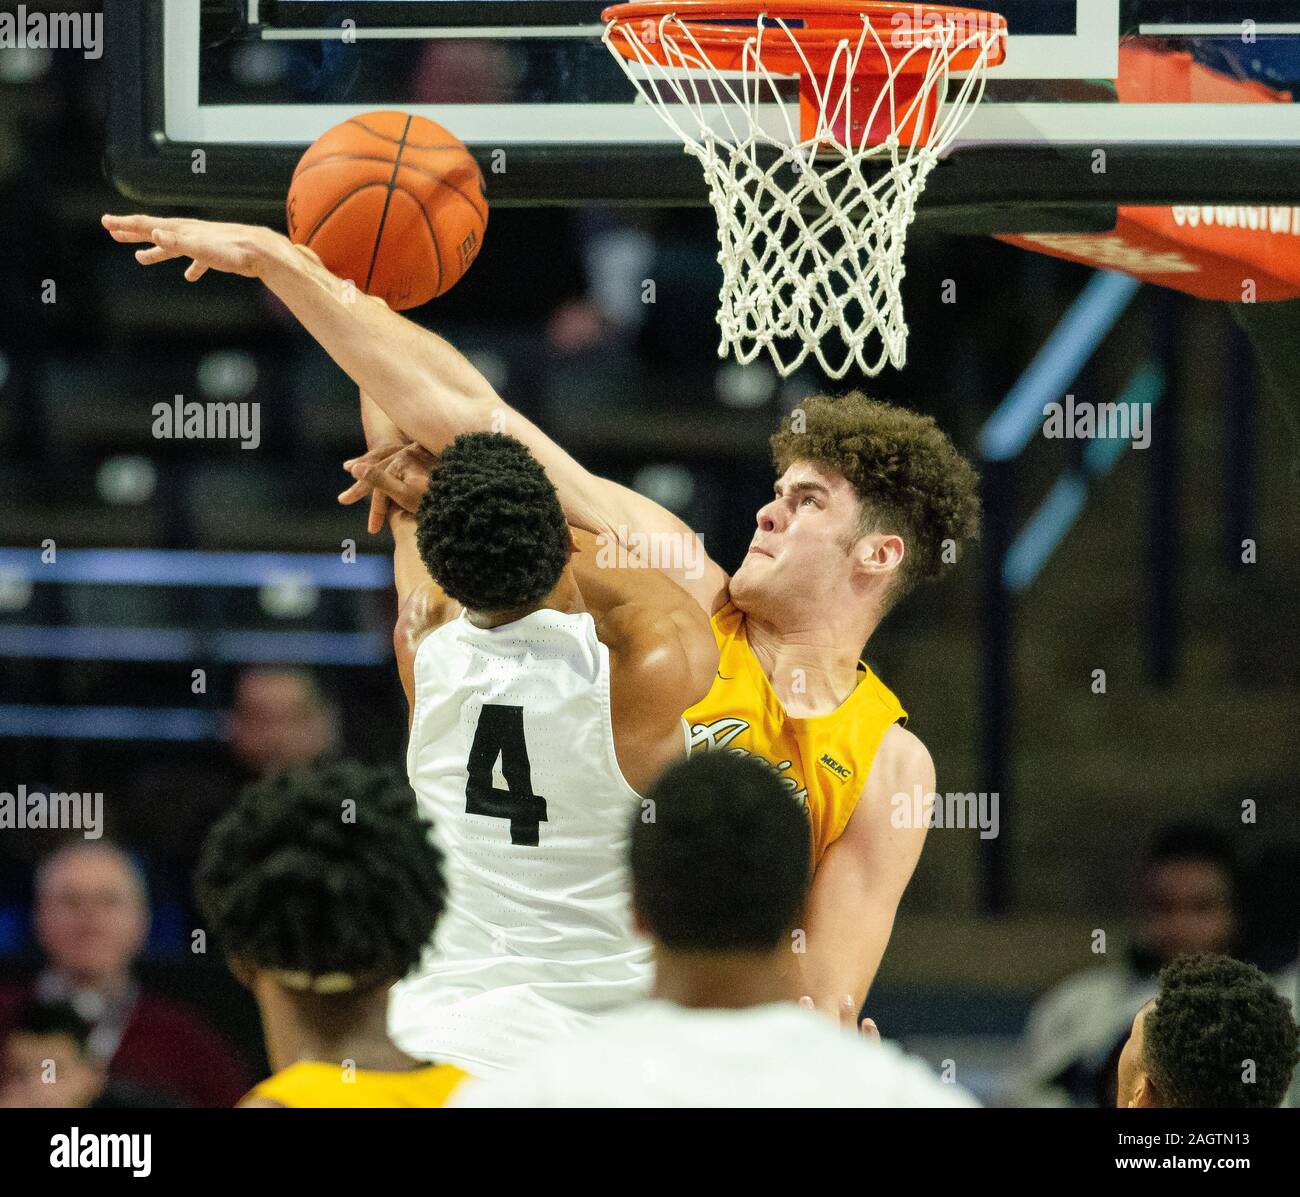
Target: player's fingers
[(130, 229), (869, 1029), (382, 453), (378, 512), (807, 1003), (150, 257), (195, 271), (848, 1010), (382, 479), (354, 493), (170, 238)]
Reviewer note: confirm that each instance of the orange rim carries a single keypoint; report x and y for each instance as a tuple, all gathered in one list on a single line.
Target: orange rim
[(825, 26)]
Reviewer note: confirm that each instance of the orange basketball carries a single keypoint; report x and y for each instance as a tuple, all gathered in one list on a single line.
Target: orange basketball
[(393, 202)]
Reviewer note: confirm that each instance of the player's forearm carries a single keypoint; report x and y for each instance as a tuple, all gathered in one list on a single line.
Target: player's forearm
[(421, 382), (378, 427), (434, 394), (842, 962)]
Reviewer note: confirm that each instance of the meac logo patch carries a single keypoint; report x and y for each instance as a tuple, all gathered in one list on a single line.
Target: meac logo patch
[(828, 762)]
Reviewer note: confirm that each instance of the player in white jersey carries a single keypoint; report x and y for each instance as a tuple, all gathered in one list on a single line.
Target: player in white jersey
[(718, 882), (546, 689)]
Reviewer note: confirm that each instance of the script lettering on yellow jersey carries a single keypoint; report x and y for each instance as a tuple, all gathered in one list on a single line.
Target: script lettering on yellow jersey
[(711, 737)]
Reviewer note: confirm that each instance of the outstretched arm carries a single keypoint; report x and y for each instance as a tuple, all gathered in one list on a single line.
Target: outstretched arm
[(861, 877), (419, 380), (421, 603)]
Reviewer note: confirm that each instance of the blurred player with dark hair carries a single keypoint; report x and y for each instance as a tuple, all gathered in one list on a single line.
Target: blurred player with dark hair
[(1216, 1036), (720, 872), (322, 888)]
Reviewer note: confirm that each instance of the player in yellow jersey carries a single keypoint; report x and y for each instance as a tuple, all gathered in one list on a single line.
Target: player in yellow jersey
[(322, 888), (870, 499)]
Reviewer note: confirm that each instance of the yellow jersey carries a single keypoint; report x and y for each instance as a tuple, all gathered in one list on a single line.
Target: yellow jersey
[(310, 1084), (823, 760)]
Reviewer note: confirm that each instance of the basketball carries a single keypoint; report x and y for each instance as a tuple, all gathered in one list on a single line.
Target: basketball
[(393, 202)]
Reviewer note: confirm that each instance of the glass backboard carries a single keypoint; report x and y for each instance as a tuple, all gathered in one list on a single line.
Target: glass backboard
[(1189, 101)]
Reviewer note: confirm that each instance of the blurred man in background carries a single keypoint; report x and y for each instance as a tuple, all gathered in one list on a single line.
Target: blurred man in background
[(280, 719), (92, 919), (1216, 1037), (1188, 904)]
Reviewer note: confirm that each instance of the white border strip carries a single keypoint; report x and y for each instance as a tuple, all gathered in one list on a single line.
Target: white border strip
[(488, 32), (1101, 125), (1092, 53), (1213, 30)]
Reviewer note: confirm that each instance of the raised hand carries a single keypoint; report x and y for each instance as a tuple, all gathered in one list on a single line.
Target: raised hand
[(243, 249), (389, 473)]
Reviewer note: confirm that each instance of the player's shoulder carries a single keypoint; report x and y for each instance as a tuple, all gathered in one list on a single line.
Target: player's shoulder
[(902, 757), (426, 609), (914, 1085), (857, 1072), (670, 647)]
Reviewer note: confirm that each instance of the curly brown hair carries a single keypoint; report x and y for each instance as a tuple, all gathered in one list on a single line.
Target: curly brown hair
[(910, 477)]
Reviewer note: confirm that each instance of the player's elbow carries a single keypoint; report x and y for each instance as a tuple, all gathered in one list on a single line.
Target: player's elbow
[(699, 652)]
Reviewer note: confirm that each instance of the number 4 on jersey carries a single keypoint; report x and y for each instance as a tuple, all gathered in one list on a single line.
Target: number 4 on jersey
[(500, 733)]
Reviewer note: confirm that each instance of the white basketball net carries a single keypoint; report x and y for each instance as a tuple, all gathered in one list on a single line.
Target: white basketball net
[(815, 250)]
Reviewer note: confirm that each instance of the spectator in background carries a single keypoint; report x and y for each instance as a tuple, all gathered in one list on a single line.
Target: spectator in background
[(46, 1063), (281, 719), (1216, 1036), (92, 919), (1188, 904)]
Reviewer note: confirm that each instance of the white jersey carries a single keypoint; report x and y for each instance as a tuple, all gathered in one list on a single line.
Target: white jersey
[(512, 758), (664, 1055)]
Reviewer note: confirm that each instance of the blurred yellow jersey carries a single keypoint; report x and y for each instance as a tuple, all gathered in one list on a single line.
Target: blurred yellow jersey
[(312, 1085), (823, 760)]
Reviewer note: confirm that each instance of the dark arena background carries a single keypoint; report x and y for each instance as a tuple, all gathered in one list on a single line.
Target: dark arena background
[(1107, 682)]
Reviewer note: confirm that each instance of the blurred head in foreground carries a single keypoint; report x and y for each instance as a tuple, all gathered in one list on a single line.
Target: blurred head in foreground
[(720, 867), (1216, 1036), (322, 888)]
